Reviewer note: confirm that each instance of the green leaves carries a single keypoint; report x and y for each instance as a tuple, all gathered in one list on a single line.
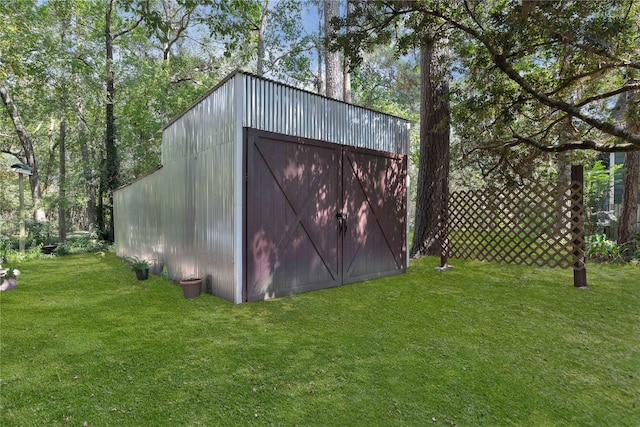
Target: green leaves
[(534, 65)]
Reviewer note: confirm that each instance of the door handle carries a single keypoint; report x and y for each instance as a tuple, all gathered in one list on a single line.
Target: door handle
[(342, 221)]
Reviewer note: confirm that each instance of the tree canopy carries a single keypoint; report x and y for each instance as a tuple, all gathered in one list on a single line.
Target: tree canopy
[(99, 80), (524, 69), (529, 78)]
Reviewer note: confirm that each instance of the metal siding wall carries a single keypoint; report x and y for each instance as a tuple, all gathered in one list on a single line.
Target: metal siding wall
[(238, 207), (207, 124), (138, 220), (282, 109), (191, 199), (201, 170)]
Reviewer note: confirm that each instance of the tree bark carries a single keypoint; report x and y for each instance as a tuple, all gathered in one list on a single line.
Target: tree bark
[(111, 167), (332, 59), (62, 192), (166, 44), (262, 27), (27, 151), (111, 170), (346, 82), (319, 85), (628, 220), (87, 170), (433, 176), (346, 66), (563, 169)]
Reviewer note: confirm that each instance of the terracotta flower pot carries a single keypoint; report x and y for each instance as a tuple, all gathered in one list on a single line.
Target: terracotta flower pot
[(191, 288), (8, 284)]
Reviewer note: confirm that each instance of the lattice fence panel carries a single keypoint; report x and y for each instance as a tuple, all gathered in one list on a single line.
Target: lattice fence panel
[(536, 225)]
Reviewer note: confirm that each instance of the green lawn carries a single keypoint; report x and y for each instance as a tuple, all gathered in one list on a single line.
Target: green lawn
[(84, 343)]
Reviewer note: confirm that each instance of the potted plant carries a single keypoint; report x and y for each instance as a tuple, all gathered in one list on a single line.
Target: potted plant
[(191, 287), (140, 266), (9, 278)]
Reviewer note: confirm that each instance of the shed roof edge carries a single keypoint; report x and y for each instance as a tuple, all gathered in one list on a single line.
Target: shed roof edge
[(239, 71), (140, 178)]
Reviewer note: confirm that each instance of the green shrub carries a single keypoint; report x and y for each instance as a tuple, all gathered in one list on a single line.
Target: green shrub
[(601, 248), (73, 245), (62, 249), (80, 245), (39, 233), (5, 248), (29, 254)]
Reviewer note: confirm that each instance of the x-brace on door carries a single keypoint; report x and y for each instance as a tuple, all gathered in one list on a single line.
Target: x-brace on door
[(320, 215)]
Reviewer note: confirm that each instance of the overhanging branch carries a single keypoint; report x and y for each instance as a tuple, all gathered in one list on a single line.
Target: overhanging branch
[(632, 141), (572, 145), (128, 30), (599, 97)]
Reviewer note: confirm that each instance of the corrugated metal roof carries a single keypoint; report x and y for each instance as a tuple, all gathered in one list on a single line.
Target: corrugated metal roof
[(277, 107)]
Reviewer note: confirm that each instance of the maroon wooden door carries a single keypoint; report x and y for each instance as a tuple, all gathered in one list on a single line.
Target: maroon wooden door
[(296, 238), (291, 202), (375, 200)]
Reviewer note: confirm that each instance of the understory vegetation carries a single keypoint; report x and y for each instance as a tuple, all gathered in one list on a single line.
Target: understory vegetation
[(77, 243), (83, 342)]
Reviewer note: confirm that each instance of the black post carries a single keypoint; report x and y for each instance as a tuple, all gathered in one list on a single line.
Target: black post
[(444, 227), (577, 226)]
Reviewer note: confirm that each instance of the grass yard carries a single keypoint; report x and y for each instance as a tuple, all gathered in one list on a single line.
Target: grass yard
[(84, 343)]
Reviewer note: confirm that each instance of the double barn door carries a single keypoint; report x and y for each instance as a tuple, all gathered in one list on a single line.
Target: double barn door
[(320, 214)]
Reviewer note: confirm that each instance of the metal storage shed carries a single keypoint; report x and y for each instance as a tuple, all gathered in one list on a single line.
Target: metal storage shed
[(267, 190)]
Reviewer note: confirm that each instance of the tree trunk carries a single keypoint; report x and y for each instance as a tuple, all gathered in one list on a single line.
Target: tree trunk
[(319, 85), (46, 174), (62, 196), (110, 173), (628, 220), (166, 45), (87, 171), (346, 82), (433, 176), (261, 33), (27, 151), (100, 217), (346, 71), (563, 169), (332, 59)]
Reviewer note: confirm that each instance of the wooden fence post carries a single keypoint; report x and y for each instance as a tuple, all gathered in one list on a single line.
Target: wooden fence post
[(577, 226)]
